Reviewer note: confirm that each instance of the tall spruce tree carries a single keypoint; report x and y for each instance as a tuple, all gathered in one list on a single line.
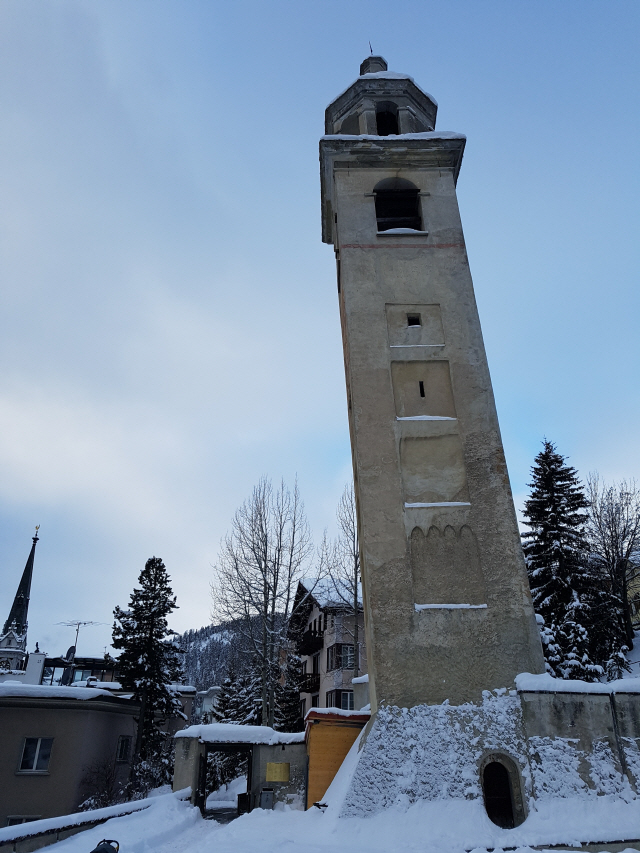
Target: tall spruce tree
[(566, 592), (149, 663)]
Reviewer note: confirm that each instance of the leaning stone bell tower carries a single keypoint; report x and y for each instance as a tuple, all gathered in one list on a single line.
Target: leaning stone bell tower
[(448, 611)]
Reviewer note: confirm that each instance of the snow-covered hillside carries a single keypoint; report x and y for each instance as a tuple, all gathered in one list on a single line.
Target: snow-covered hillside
[(206, 654)]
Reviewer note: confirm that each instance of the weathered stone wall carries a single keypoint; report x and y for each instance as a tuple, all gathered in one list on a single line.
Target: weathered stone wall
[(290, 792), (563, 746)]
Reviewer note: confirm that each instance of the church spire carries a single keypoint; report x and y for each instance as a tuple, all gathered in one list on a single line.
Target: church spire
[(18, 615)]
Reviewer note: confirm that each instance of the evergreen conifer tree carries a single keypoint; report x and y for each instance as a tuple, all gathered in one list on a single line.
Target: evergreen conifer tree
[(287, 716), (566, 592), (148, 665)]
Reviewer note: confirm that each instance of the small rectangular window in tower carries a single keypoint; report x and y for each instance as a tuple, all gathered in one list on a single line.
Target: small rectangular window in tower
[(421, 384), (413, 320)]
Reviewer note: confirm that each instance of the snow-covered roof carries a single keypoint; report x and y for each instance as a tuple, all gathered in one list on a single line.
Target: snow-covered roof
[(545, 683), (326, 592), (99, 685), (385, 75), (427, 134), (236, 733), (45, 691), (337, 712), (182, 688)]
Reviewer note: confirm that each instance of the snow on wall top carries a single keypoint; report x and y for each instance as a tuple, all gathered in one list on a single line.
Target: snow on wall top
[(361, 679), (237, 733), (545, 683), (51, 824), (427, 134), (45, 691)]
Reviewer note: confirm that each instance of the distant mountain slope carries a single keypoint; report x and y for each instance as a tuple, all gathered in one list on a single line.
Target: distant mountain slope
[(207, 652)]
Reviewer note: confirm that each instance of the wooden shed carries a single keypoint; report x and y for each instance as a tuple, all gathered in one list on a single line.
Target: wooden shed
[(330, 734)]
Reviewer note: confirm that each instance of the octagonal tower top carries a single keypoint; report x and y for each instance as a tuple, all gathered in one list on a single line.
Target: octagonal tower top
[(381, 103)]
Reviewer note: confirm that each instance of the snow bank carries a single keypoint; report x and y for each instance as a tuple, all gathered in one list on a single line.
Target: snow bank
[(236, 733), (226, 797), (545, 683), (45, 691), (431, 752), (51, 824), (361, 679), (451, 826)]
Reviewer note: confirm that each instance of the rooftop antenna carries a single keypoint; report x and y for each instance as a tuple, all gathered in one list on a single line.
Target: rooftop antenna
[(77, 624)]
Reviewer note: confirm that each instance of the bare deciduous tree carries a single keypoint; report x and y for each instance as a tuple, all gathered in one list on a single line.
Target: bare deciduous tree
[(613, 530), (260, 562), (343, 563)]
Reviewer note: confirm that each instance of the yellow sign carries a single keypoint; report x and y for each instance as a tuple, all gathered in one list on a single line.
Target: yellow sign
[(277, 771)]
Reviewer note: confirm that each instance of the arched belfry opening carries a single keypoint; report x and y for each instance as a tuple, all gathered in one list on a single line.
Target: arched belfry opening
[(387, 119), (502, 791), (397, 204)]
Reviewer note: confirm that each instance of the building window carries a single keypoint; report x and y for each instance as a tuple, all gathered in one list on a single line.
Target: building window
[(315, 701), (17, 819), (124, 748), (342, 699), (315, 664), (36, 753), (397, 205), (303, 708), (341, 656)]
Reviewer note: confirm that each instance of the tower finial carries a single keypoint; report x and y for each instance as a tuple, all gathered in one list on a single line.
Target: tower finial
[(372, 64), (35, 538)]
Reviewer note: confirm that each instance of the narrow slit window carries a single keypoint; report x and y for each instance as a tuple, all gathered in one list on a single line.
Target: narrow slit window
[(413, 320), (421, 384)]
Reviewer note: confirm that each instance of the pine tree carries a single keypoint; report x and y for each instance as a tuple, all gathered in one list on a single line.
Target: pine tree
[(287, 716), (565, 591), (149, 663)]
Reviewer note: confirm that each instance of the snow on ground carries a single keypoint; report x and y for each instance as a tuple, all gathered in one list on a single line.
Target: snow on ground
[(226, 797), (172, 826), (634, 657), (440, 826)]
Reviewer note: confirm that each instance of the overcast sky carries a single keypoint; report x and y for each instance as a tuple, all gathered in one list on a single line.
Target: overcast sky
[(169, 328)]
